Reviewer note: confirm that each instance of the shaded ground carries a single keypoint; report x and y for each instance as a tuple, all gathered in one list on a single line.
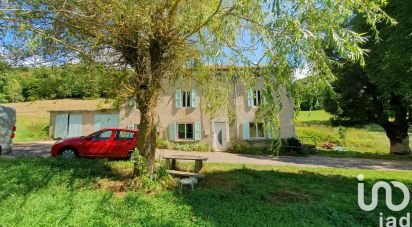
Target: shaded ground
[(43, 149), (54, 192)]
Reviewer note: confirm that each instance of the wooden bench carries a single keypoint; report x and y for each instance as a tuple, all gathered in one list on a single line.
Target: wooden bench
[(171, 161), (184, 174)]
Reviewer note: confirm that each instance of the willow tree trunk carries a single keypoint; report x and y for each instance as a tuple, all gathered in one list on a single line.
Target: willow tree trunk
[(146, 140), (398, 138), (149, 88)]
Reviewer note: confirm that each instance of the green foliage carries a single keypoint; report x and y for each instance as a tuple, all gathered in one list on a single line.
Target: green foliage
[(381, 92), (30, 128), (258, 148), (69, 81), (164, 144), (147, 182), (47, 191), (342, 132), (309, 93), (383, 88), (363, 141)]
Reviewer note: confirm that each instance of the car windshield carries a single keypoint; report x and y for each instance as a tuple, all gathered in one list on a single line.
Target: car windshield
[(104, 135)]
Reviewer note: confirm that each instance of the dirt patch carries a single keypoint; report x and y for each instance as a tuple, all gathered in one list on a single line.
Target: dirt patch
[(289, 197), (117, 187), (217, 181)]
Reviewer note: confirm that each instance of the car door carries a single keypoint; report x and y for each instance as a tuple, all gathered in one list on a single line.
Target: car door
[(124, 141), (99, 144)]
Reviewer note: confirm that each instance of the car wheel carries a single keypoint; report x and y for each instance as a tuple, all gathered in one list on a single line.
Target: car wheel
[(68, 153)]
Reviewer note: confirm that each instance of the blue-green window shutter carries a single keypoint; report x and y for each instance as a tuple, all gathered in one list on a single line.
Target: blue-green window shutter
[(245, 130), (178, 99), (198, 130), (172, 131), (194, 99), (250, 98)]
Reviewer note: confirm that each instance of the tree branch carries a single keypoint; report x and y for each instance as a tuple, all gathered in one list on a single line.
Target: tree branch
[(206, 21)]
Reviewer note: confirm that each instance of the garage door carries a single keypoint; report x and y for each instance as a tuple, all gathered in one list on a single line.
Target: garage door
[(60, 127), (68, 125), (75, 125), (102, 121)]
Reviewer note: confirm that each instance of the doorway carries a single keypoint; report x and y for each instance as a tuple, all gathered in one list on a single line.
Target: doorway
[(220, 136)]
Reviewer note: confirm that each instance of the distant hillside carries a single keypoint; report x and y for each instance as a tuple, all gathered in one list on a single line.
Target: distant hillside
[(40, 108)]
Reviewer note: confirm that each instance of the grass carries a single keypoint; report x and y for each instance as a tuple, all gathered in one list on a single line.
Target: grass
[(33, 117), (31, 128), (50, 192), (369, 141)]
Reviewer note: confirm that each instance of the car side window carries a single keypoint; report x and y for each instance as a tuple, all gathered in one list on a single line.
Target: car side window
[(105, 135), (124, 135)]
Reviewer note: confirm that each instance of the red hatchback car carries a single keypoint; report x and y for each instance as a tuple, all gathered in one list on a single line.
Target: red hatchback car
[(107, 143)]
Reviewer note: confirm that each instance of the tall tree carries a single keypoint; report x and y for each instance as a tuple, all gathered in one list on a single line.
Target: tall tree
[(381, 92), (3, 81), (161, 39)]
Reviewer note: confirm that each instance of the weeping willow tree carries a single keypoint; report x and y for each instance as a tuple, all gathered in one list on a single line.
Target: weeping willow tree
[(160, 40)]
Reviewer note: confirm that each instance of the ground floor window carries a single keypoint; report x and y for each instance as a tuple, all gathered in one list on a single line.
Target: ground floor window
[(185, 131), (257, 130)]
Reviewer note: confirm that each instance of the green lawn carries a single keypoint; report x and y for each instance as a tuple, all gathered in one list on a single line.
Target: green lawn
[(31, 128), (367, 141), (51, 192)]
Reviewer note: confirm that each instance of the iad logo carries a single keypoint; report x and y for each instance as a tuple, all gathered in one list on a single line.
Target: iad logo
[(388, 189), (389, 221)]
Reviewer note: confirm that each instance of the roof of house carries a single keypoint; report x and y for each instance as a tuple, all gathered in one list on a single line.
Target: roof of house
[(82, 110)]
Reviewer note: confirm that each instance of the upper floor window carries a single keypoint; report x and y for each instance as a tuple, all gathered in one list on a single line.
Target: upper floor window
[(186, 99), (132, 104), (255, 97)]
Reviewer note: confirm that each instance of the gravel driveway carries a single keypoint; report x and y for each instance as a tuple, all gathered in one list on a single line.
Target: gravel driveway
[(43, 149)]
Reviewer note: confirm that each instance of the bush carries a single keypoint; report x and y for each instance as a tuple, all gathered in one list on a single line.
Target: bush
[(268, 148), (38, 130), (258, 148), (292, 146), (164, 144)]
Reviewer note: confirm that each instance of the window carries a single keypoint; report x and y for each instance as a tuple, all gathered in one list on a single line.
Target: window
[(132, 104), (257, 97), (185, 131), (187, 101), (105, 135), (256, 130), (133, 126), (124, 135)]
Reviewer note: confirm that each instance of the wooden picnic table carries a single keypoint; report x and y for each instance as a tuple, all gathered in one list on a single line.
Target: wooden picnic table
[(171, 164)]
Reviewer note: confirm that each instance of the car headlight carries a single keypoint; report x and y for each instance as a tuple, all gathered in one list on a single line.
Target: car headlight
[(58, 141)]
